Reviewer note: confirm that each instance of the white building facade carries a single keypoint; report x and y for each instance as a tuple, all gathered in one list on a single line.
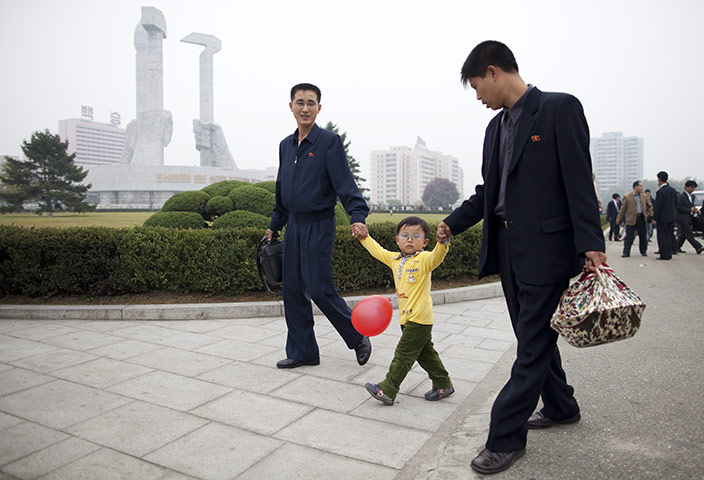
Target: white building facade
[(94, 143), (616, 160), (401, 173)]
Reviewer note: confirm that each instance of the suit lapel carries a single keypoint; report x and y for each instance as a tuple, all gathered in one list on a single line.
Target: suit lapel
[(525, 126), (492, 179)]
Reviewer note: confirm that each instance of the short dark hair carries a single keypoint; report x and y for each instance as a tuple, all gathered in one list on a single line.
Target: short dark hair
[(662, 176), (305, 86), (488, 53), (412, 221), (615, 196), (647, 190), (635, 184), (690, 183)]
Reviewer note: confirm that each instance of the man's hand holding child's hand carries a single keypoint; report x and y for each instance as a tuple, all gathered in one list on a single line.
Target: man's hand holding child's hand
[(443, 234), (359, 230)]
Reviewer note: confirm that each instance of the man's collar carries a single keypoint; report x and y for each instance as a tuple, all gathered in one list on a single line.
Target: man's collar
[(312, 135)]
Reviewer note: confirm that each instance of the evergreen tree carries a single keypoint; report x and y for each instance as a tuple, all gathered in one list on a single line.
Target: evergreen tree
[(440, 192), (48, 176), (354, 164)]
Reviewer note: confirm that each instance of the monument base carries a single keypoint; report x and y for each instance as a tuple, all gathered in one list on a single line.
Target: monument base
[(147, 187)]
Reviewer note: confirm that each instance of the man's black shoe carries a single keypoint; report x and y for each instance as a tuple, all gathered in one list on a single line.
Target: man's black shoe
[(363, 350), (625, 256), (538, 420), (660, 258), (488, 462), (293, 363)]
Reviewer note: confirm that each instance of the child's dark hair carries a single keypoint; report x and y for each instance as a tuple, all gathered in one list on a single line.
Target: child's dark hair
[(411, 221)]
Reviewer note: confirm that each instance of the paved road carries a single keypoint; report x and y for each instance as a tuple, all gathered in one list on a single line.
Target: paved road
[(179, 399), (642, 399)]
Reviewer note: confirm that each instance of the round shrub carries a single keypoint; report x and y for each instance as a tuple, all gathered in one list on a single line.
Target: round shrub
[(341, 217), (176, 220), (241, 219), (254, 199), (216, 206), (269, 186), (224, 187), (193, 201)]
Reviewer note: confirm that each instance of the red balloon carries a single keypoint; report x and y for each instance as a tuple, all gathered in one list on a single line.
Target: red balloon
[(372, 315)]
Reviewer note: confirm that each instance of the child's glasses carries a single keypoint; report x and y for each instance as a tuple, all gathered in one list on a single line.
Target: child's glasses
[(405, 236)]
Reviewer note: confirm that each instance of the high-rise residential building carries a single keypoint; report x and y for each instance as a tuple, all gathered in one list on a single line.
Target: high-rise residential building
[(94, 143), (401, 173), (616, 160)]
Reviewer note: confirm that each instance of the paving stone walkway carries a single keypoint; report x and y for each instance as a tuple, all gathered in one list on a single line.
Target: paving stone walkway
[(179, 399)]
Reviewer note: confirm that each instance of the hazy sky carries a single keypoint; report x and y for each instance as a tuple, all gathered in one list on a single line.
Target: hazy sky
[(388, 70)]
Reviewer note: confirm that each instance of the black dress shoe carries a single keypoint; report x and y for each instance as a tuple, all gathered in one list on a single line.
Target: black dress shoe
[(488, 462), (660, 258), (363, 350), (625, 256), (293, 363), (538, 420)]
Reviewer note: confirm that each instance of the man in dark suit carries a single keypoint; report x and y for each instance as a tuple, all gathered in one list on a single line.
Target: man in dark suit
[(541, 221), (685, 210), (611, 214), (664, 216)]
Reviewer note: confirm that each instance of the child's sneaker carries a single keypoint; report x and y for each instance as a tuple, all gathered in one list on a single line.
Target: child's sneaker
[(439, 393), (376, 392)]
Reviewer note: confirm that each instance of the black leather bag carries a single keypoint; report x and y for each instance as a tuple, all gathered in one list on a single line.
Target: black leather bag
[(269, 262)]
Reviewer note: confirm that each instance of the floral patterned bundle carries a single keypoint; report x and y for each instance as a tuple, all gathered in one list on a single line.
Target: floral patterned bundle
[(597, 308)]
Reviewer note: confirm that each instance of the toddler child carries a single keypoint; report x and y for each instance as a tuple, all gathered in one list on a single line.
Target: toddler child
[(412, 269)]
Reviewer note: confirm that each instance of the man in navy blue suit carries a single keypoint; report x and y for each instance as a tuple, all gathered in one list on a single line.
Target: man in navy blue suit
[(541, 222), (611, 214), (684, 217), (664, 216), (313, 173)]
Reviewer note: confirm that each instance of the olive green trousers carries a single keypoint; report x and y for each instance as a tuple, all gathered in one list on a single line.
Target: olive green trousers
[(415, 345)]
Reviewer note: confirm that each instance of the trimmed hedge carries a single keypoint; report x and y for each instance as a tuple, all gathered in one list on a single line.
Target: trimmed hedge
[(217, 206), (241, 219), (223, 188), (176, 220), (193, 201), (104, 261), (269, 186), (254, 199)]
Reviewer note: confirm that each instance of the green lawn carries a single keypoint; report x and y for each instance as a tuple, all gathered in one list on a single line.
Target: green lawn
[(105, 219), (397, 217)]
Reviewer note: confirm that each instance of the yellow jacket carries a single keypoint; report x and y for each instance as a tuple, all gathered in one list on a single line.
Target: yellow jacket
[(412, 279)]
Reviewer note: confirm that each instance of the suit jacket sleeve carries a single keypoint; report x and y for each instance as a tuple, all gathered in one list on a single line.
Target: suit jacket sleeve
[(572, 142), (279, 217), (343, 182)]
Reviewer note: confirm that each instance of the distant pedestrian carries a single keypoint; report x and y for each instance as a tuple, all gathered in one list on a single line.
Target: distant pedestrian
[(649, 220), (412, 269), (685, 211), (634, 210), (664, 216), (611, 213)]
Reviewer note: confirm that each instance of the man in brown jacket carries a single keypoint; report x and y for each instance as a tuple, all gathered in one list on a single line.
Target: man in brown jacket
[(635, 209)]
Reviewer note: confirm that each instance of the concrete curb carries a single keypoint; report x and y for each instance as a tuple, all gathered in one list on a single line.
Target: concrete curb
[(212, 311)]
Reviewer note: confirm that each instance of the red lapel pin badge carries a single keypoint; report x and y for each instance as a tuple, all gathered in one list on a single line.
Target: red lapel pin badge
[(535, 138), (311, 154)]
